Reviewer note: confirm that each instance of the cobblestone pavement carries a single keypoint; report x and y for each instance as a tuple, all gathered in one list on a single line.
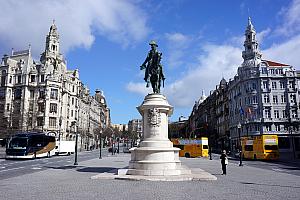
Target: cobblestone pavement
[(71, 182)]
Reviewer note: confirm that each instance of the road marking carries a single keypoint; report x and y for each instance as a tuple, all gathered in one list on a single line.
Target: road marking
[(11, 169), (278, 170), (36, 168)]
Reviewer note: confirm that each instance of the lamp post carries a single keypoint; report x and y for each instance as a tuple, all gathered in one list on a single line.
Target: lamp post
[(118, 140), (210, 148), (76, 141), (239, 126), (292, 141), (100, 145), (112, 144)]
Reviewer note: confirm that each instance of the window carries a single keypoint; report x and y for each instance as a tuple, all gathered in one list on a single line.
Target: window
[(254, 99), (53, 108), (271, 147), (293, 98), (264, 70), (40, 121), (276, 113), (274, 85), (265, 84), (2, 93), (7, 107), (52, 121), (73, 88), (3, 80), (275, 99), (42, 94), (267, 113), (54, 94), (19, 80), (283, 98), (266, 98), (284, 114), (291, 84), (248, 147), (281, 84), (43, 78), (72, 100), (41, 107), (10, 79), (268, 128), (32, 78), (18, 93), (72, 113), (294, 114), (277, 127), (31, 94)]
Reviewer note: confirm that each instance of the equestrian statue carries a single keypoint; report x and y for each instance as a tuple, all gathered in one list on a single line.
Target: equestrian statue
[(153, 68)]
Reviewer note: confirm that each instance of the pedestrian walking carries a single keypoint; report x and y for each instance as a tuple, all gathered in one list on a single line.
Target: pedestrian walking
[(224, 161)]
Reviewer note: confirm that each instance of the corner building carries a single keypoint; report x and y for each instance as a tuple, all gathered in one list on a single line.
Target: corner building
[(45, 96), (264, 99)]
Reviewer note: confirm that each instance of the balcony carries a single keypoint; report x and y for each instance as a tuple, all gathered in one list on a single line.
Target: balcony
[(267, 120)]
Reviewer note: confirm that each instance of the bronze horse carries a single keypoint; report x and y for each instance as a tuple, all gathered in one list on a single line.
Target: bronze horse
[(154, 72)]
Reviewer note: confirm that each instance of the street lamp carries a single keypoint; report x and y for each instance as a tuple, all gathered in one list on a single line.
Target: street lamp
[(112, 144), (76, 141), (239, 126), (292, 140), (100, 145), (118, 140)]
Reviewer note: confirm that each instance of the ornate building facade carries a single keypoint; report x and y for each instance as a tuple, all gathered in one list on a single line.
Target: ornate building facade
[(45, 96), (263, 98)]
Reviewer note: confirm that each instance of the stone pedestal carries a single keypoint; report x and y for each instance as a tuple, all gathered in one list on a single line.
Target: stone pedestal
[(155, 155)]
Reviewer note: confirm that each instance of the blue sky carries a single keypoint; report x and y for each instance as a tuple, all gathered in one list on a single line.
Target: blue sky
[(107, 41)]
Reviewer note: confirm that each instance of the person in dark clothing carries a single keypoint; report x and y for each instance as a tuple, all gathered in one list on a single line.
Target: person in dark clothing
[(224, 161)]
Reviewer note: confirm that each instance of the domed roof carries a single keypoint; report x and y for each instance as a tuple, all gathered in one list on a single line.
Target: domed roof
[(202, 98), (223, 81)]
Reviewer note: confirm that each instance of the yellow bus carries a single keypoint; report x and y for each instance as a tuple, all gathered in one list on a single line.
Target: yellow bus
[(191, 147), (263, 147)]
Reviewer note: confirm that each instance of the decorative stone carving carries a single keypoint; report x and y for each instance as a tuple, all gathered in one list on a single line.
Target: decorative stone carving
[(154, 117)]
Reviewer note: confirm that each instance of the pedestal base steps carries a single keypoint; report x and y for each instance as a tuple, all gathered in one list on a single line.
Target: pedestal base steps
[(195, 174)]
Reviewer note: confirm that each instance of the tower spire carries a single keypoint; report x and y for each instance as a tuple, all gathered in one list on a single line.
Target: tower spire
[(251, 44), (52, 43)]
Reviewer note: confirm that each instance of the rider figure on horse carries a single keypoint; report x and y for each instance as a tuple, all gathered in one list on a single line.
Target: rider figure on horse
[(154, 71)]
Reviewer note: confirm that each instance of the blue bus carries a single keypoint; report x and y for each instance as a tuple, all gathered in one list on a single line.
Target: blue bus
[(30, 145)]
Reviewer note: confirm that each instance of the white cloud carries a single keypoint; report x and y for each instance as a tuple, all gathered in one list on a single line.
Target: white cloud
[(287, 52), (217, 61), (291, 19), (23, 22), (177, 45), (138, 88)]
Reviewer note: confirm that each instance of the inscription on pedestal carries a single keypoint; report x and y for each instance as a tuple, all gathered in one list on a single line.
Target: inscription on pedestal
[(154, 117)]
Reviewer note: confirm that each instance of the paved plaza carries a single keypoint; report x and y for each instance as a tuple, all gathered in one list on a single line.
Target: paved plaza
[(69, 182)]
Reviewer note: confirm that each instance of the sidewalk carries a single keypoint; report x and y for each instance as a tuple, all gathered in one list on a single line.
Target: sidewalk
[(294, 162), (73, 183)]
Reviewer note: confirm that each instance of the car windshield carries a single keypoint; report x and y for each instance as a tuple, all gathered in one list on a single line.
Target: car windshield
[(18, 143)]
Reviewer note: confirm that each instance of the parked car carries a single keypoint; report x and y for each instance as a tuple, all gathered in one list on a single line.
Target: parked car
[(115, 149)]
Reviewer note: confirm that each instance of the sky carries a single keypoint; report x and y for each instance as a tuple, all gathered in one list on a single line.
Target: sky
[(201, 42)]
